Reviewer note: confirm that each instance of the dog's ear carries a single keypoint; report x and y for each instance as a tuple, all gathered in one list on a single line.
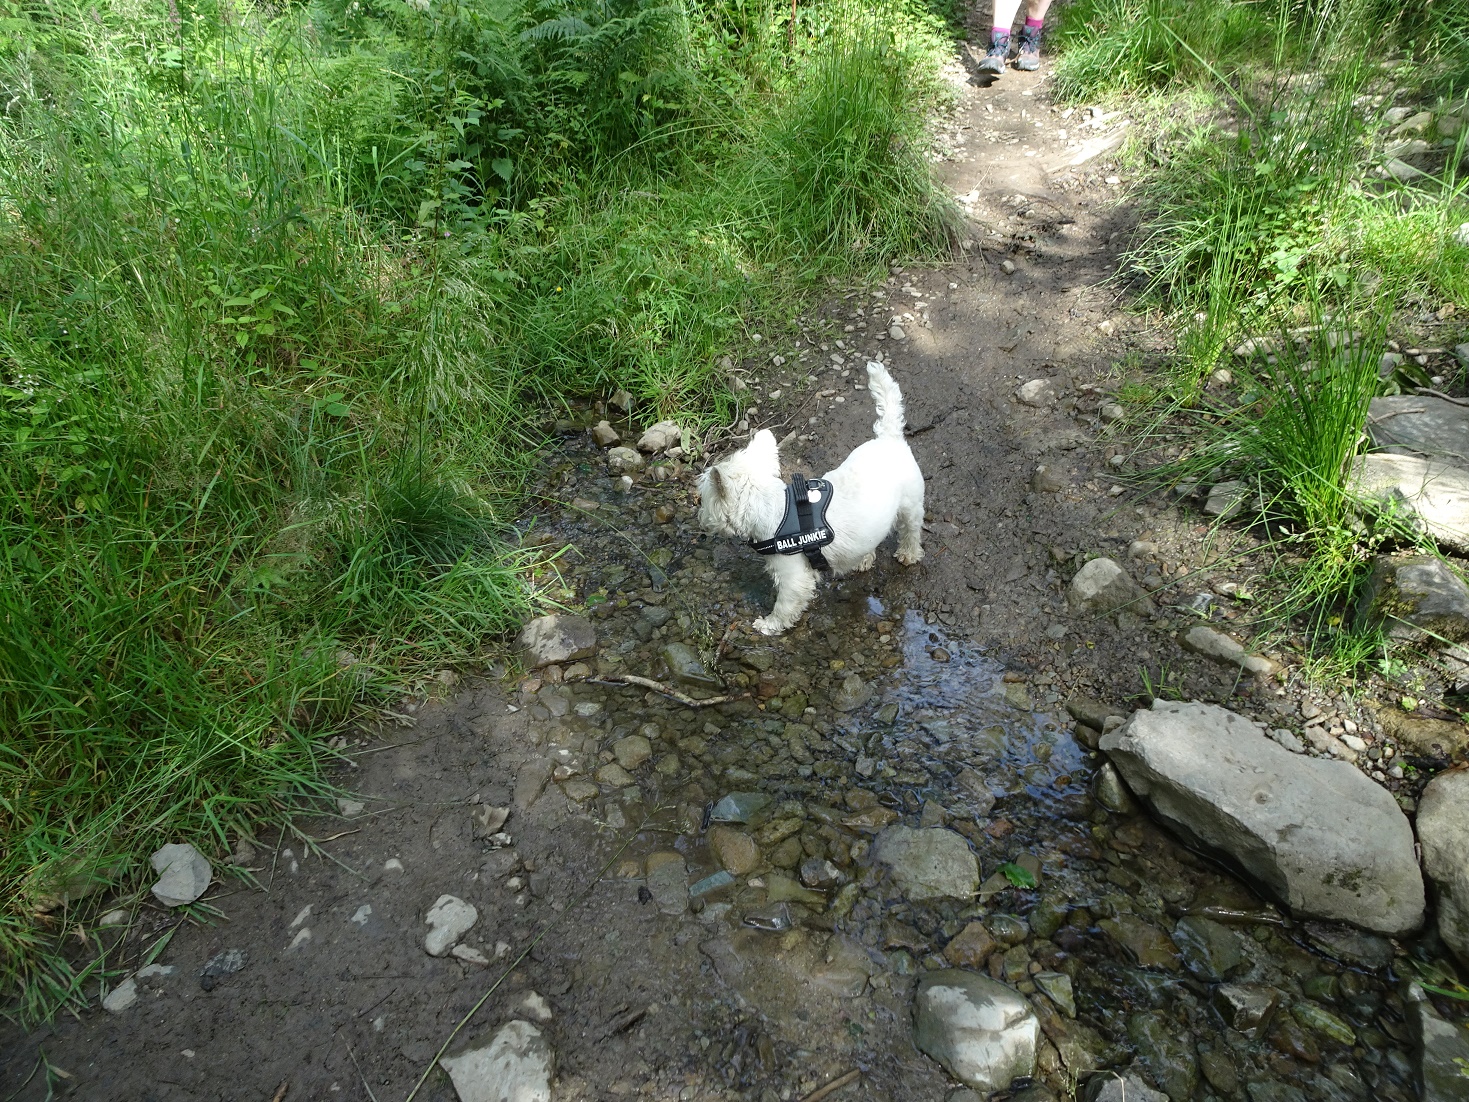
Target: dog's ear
[(716, 481), (764, 448)]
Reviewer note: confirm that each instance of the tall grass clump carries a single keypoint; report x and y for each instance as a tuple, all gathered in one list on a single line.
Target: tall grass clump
[(288, 293)]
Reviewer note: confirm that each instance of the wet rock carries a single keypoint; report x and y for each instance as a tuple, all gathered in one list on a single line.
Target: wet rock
[(783, 889), (1048, 915), (1057, 988), (735, 850), (1267, 1091), (661, 437), (710, 884), (1219, 1071), (1321, 1020), (604, 434), (558, 638), (872, 820), (1432, 494), (1168, 1056), (184, 874), (1039, 393), (1149, 946), (981, 1031), (928, 864), (852, 695), (1318, 835), (971, 947), (687, 668), (841, 968), (977, 789), (1219, 647), (516, 1066), (1246, 1008), (1443, 831), (121, 997), (1416, 597), (1210, 950), (1093, 712), (1111, 793), (739, 807), (1442, 1050), (1120, 1086), (668, 881), (1008, 930), (1350, 946), (1101, 587), (615, 776), (624, 461), (449, 919), (580, 791), (632, 751), (818, 872)]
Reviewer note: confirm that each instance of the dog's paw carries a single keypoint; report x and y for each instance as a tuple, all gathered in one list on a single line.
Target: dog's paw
[(767, 626), (910, 558), (868, 562)]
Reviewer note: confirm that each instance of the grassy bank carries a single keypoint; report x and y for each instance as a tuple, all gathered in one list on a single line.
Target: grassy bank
[(1303, 181), (288, 292)]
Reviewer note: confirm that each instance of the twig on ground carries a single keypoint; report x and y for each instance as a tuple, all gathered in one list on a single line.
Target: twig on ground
[(1440, 394), (280, 1091), (624, 1022), (334, 837), (724, 639), (358, 1066), (832, 1087), (659, 687)]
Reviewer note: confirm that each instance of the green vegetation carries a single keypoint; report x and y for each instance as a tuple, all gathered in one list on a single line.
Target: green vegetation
[(288, 293), (1286, 204)]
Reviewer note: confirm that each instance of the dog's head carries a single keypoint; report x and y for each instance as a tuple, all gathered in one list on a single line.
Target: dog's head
[(734, 496)]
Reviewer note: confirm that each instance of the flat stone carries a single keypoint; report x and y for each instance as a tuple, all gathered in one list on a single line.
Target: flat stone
[(1210, 950), (1419, 424), (1038, 393), (1226, 499), (982, 1032), (1102, 586), (1349, 945), (450, 918), (1417, 597), (184, 874), (1430, 495), (1318, 835), (516, 1066), (615, 776), (1093, 712), (1215, 645), (735, 850), (710, 884), (686, 667), (783, 889), (1057, 988), (1120, 1086), (121, 997), (559, 638), (1441, 1050), (971, 947), (928, 864), (853, 693), (668, 881), (632, 751), (1149, 946), (604, 434), (739, 807), (1443, 831)]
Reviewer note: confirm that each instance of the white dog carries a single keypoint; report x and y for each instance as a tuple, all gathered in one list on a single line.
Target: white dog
[(876, 489)]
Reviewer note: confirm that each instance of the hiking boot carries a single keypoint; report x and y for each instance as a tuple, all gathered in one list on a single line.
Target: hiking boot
[(994, 61), (1029, 57)]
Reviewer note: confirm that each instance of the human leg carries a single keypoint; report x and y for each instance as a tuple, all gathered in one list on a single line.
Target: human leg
[(999, 49), (1028, 56)]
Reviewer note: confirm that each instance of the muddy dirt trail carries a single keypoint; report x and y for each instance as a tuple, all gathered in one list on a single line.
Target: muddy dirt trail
[(684, 900)]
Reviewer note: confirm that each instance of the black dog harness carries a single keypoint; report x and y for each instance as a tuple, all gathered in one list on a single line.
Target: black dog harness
[(803, 530)]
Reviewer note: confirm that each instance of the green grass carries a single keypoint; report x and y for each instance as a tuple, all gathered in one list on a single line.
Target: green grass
[(1264, 211), (289, 292)]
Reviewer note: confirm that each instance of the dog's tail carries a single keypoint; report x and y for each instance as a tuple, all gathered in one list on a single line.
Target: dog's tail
[(889, 401)]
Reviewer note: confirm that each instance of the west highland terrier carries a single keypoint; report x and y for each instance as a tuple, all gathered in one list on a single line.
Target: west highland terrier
[(877, 488)]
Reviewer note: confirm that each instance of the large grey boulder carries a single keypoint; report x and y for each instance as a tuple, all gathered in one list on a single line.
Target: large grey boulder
[(1430, 496), (184, 874), (1443, 833), (516, 1066), (928, 864), (1102, 586), (1316, 834), (983, 1033), (559, 637), (1416, 597), (1120, 1086)]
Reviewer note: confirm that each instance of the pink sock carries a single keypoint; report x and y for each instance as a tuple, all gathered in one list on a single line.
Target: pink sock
[(997, 33), (1034, 24)]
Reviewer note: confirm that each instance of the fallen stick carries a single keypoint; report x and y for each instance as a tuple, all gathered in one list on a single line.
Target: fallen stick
[(280, 1091), (659, 687), (624, 1022), (832, 1087)]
